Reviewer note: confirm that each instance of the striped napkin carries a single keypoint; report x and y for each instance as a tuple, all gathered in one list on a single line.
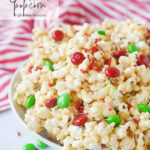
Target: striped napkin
[(15, 35)]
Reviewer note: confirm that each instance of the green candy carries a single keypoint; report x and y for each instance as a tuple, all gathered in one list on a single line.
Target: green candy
[(114, 119), (101, 32), (29, 147), (49, 64), (132, 48), (63, 100), (40, 144), (143, 108), (30, 102)]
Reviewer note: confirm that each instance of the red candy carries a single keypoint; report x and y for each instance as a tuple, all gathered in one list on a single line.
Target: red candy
[(88, 56), (38, 68), (148, 32), (92, 65), (82, 71), (121, 92), (81, 109), (143, 60), (30, 69), (98, 69), (135, 121), (18, 133), (119, 53), (51, 103), (94, 50), (103, 120), (96, 41), (108, 61), (85, 50), (112, 72), (133, 65), (81, 120), (77, 58), (88, 35), (57, 35), (78, 105), (109, 108), (81, 114), (97, 122), (50, 84), (129, 106)]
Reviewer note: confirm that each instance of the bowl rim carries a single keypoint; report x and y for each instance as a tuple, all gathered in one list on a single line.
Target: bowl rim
[(10, 96)]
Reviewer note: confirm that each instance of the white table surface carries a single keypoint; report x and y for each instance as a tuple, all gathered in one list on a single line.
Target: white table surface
[(9, 126)]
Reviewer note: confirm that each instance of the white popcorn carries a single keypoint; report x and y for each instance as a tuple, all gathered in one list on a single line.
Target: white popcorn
[(127, 144), (142, 44), (95, 147), (84, 64), (43, 113), (98, 56), (105, 140), (33, 121), (62, 72), (121, 132), (75, 131), (104, 130), (77, 144), (101, 96)]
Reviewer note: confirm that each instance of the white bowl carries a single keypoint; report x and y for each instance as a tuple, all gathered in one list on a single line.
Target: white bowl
[(19, 111)]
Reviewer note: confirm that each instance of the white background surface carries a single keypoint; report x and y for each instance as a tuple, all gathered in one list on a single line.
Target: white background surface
[(9, 126)]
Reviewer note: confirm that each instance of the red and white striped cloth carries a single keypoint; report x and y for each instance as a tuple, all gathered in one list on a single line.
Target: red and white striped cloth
[(15, 35)]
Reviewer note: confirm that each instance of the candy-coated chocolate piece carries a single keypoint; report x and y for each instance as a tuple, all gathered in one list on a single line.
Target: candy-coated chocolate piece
[(58, 35), (77, 58), (112, 72), (29, 147), (81, 120), (41, 144), (119, 53), (63, 100), (143, 60), (51, 102), (132, 48), (143, 108), (49, 64), (101, 32), (114, 119), (30, 101)]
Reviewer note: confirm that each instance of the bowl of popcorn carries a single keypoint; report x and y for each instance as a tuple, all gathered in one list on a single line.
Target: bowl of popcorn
[(87, 86)]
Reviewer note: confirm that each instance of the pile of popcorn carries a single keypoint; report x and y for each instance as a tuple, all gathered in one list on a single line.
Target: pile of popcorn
[(88, 86)]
